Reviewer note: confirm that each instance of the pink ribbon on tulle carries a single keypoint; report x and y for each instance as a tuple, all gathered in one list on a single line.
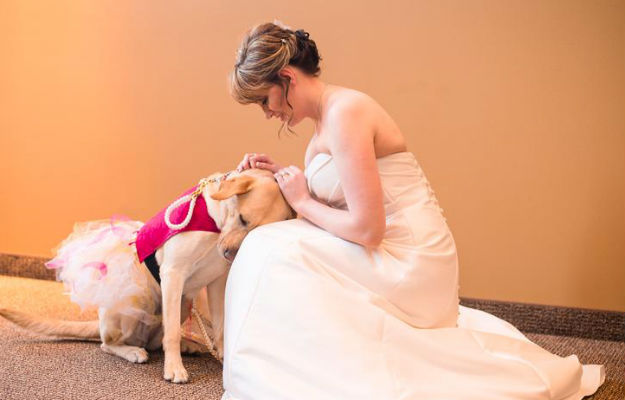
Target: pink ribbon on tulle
[(117, 230), (100, 266), (54, 263)]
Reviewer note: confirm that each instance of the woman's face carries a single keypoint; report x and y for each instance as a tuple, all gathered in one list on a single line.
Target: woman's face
[(274, 104)]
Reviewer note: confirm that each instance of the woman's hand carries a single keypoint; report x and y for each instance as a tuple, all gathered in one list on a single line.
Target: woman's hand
[(293, 185), (256, 160)]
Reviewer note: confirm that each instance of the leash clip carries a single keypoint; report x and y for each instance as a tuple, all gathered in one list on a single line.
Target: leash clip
[(192, 198)]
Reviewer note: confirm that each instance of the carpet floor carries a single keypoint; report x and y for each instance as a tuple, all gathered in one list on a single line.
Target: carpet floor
[(36, 367)]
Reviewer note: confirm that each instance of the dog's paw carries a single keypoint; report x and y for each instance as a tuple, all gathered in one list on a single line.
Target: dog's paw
[(138, 356), (131, 353), (190, 347), (175, 372)]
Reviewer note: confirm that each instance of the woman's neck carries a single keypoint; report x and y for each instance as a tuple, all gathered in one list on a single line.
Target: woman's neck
[(317, 98)]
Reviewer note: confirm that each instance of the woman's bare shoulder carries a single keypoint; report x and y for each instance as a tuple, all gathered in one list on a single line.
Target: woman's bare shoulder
[(345, 104), (388, 136), (343, 96)]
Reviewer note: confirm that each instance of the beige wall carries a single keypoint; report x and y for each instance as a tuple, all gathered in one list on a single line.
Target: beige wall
[(515, 110)]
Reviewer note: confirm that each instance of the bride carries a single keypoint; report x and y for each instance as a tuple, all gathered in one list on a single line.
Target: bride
[(357, 298)]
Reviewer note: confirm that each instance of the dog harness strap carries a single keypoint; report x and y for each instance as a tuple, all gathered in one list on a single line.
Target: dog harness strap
[(156, 232), (150, 262)]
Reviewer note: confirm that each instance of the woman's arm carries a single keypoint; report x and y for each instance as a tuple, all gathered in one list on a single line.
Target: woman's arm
[(350, 139)]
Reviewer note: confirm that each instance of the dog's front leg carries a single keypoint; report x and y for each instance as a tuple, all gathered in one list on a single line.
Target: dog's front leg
[(172, 283)]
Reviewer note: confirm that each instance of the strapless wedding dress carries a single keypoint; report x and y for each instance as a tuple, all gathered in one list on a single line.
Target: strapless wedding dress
[(309, 315)]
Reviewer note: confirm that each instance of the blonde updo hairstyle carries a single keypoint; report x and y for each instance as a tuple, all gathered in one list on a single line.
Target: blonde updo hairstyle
[(263, 52)]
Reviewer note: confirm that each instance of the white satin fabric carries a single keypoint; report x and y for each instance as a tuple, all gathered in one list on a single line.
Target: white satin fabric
[(312, 316)]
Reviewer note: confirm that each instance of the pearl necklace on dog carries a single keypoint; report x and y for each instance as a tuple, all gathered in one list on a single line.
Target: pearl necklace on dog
[(192, 198), (209, 343)]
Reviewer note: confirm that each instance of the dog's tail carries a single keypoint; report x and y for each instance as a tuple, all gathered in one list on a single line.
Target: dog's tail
[(52, 327)]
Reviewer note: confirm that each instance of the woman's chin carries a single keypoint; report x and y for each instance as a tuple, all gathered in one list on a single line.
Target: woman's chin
[(293, 122)]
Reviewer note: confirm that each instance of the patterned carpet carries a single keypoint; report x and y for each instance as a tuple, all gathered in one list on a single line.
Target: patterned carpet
[(35, 367)]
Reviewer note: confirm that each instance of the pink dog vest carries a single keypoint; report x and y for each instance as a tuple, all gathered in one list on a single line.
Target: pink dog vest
[(155, 232)]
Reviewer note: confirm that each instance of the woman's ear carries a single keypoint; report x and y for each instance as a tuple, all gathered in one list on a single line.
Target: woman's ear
[(288, 74)]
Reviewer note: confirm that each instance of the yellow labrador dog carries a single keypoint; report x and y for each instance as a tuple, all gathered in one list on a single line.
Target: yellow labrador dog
[(189, 261)]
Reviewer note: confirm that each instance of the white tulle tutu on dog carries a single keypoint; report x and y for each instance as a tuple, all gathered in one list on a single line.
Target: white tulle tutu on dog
[(99, 267)]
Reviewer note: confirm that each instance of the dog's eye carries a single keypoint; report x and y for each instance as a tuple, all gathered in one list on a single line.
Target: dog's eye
[(243, 221)]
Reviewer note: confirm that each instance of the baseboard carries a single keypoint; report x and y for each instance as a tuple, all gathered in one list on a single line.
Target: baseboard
[(528, 318), (555, 320), (25, 267)]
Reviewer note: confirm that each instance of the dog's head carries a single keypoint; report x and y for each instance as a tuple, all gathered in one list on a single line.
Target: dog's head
[(247, 200)]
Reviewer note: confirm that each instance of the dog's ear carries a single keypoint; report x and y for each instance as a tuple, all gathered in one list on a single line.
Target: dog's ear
[(230, 187)]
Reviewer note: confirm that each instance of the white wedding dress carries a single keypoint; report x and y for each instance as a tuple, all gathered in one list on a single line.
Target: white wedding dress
[(312, 316)]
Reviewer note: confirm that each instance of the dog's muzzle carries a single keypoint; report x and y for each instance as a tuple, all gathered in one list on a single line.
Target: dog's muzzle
[(229, 254)]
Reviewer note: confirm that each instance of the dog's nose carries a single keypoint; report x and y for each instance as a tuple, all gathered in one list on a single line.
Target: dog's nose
[(229, 254)]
